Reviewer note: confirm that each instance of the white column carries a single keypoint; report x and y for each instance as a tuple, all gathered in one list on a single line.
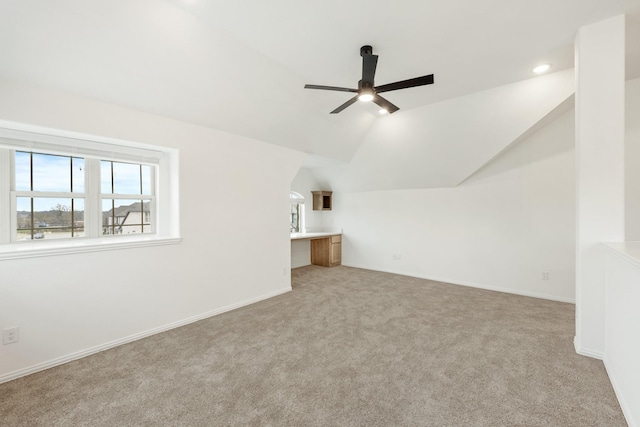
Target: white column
[(600, 86)]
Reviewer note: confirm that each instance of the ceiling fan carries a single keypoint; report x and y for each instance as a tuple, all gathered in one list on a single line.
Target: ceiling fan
[(367, 91)]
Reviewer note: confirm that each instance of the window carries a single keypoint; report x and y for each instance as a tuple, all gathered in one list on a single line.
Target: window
[(127, 200), (296, 217), (78, 193), (48, 195)]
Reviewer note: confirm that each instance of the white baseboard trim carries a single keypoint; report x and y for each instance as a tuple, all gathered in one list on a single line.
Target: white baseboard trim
[(616, 389), (587, 352), (474, 285), (106, 346)]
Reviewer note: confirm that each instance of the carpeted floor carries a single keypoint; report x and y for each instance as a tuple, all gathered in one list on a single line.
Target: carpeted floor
[(347, 347)]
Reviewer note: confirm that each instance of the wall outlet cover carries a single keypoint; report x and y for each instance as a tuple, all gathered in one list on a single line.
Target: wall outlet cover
[(11, 335)]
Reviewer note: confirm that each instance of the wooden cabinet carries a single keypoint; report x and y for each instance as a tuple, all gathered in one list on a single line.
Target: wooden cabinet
[(322, 200), (335, 251), (327, 251)]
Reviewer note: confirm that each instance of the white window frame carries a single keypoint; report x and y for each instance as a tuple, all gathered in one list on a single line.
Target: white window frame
[(165, 216)]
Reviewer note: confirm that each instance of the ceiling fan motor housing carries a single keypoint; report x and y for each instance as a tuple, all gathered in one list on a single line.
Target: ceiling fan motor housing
[(364, 85), (366, 50)]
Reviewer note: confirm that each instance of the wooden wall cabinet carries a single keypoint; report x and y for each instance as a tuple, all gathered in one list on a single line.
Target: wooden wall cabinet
[(327, 251), (322, 200)]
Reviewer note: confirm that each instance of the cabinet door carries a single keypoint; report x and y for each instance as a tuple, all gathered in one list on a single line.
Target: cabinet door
[(321, 252), (336, 254)]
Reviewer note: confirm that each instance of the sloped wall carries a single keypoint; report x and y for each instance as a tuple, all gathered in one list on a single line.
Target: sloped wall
[(234, 202), (442, 144), (498, 230)]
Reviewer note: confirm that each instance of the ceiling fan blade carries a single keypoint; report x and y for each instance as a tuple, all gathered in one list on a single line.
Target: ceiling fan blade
[(345, 105), (339, 89), (404, 84), (383, 103), (369, 63)]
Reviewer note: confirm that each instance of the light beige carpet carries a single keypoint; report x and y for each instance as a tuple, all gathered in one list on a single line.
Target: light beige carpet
[(347, 347)]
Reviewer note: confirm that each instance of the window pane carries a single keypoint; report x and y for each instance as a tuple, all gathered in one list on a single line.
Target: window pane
[(126, 178), (78, 218), (105, 177), (51, 173), (77, 170), (23, 171), (131, 229), (125, 217), (51, 218), (23, 218), (294, 218), (146, 180), (23, 204), (107, 216)]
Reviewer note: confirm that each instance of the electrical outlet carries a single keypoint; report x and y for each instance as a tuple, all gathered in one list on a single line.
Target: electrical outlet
[(10, 335), (544, 275)]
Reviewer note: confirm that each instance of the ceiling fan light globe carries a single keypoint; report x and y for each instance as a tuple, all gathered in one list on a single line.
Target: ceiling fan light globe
[(365, 97)]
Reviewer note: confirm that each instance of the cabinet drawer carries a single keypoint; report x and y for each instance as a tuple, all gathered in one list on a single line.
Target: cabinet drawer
[(336, 239)]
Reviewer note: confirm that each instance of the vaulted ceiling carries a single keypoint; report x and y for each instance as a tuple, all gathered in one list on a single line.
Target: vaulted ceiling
[(240, 66)]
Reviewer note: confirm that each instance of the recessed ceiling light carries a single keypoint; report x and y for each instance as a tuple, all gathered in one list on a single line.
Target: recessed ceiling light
[(541, 68), (382, 111)]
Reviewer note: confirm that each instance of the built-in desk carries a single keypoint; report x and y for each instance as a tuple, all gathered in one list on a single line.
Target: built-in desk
[(326, 248)]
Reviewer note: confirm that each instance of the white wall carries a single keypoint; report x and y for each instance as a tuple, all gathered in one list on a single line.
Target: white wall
[(632, 161), (498, 230), (600, 135), (234, 202)]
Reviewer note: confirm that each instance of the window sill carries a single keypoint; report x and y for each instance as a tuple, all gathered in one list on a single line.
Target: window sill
[(45, 249)]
